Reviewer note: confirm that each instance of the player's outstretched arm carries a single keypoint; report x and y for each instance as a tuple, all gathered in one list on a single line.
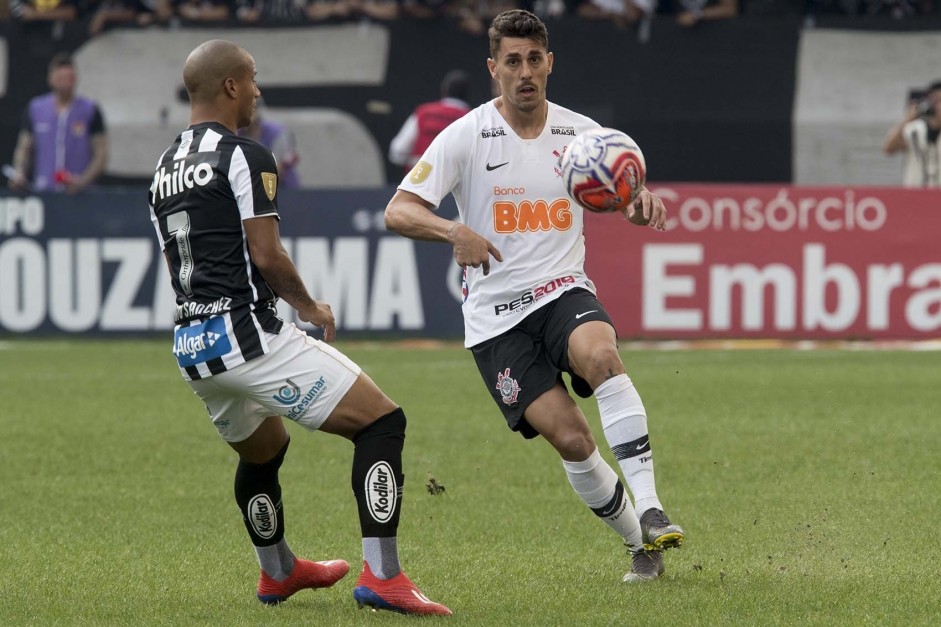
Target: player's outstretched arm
[(411, 216), (272, 260), (647, 209)]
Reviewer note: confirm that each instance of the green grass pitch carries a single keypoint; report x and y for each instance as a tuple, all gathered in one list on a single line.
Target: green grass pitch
[(808, 483)]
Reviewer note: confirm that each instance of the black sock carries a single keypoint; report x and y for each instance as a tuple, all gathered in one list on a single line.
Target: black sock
[(377, 474), (258, 495)]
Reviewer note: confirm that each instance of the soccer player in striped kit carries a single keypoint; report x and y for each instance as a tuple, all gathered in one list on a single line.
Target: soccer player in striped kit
[(213, 204)]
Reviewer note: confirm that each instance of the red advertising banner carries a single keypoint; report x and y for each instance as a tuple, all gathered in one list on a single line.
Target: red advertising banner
[(772, 261)]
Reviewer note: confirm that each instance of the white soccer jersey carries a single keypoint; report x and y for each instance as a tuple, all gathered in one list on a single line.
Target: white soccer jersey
[(510, 191)]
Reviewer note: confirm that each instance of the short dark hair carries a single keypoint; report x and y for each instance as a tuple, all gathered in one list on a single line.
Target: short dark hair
[(935, 86), (61, 59), (516, 23), (455, 84)]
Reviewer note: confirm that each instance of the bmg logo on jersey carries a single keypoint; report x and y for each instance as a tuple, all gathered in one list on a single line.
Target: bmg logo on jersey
[(535, 215), (183, 176)]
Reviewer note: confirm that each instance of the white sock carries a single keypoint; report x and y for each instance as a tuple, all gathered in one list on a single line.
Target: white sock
[(382, 555), (598, 485), (624, 420), (276, 560)]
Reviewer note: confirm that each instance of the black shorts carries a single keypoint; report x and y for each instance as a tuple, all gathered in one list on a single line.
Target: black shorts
[(523, 363)]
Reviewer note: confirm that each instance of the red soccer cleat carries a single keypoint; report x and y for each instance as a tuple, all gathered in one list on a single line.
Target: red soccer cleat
[(398, 594), (306, 574)]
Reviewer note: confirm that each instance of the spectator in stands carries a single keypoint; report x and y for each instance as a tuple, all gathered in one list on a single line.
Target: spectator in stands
[(62, 145), (426, 9), (429, 119), (475, 15), (380, 10), (279, 139), (323, 10), (621, 12), (140, 12), (204, 10), (43, 10), (253, 11), (111, 11), (546, 8), (151, 11), (917, 135), (691, 12)]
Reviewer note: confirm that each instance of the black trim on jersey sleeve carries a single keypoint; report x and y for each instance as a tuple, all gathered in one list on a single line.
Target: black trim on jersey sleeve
[(253, 176)]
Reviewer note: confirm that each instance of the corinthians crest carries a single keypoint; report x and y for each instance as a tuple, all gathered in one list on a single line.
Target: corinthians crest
[(508, 387)]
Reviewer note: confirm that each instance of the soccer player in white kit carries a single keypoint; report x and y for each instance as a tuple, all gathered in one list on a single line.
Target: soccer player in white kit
[(530, 311)]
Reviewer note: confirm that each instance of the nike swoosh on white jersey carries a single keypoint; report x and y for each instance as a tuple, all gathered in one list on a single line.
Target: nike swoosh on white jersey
[(582, 315)]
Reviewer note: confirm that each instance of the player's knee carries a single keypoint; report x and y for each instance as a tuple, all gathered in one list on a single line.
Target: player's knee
[(599, 363), (574, 444), (272, 465), (391, 425)]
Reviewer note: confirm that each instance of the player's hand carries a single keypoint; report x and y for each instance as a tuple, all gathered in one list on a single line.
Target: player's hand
[(320, 315), (647, 209), (470, 249)]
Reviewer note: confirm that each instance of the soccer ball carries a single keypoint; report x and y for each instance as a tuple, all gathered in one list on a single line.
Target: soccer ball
[(603, 170)]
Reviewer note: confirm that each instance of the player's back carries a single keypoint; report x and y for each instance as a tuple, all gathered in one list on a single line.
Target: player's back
[(206, 183)]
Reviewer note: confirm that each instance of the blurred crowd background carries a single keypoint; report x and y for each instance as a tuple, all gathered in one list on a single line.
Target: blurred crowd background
[(779, 109), (472, 15), (796, 91)]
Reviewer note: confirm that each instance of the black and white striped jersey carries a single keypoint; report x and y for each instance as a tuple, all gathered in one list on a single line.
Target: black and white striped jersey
[(206, 183)]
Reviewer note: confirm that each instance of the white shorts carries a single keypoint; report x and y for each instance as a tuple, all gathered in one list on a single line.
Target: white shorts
[(300, 378)]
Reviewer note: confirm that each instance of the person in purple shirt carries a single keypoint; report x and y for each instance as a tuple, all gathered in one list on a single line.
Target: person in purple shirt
[(62, 145), (279, 139)]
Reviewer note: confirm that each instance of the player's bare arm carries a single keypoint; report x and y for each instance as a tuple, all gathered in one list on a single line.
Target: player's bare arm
[(411, 216), (272, 260), (647, 209)]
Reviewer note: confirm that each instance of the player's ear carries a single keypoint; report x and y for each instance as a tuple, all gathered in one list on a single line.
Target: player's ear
[(230, 87), (492, 67), (550, 57)]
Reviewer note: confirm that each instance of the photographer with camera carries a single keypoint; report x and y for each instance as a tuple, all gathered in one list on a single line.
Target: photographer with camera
[(917, 134)]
